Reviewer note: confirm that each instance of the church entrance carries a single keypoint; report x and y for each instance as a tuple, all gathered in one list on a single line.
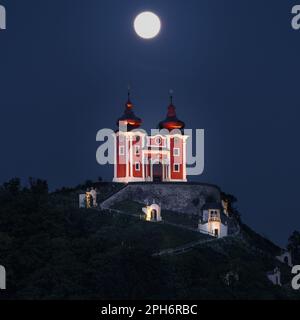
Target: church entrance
[(157, 172), (154, 215), (216, 233)]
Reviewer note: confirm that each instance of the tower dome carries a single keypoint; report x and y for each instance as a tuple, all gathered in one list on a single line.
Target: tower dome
[(128, 118), (171, 122)]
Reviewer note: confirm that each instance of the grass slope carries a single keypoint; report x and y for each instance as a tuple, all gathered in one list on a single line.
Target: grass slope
[(167, 215), (53, 251)]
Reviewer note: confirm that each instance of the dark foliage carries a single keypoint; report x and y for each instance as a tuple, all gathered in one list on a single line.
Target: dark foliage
[(294, 246), (51, 250)]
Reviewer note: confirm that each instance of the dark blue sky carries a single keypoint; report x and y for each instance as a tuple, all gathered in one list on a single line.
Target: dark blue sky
[(234, 67)]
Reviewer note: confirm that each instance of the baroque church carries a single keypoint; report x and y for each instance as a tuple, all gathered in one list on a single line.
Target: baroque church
[(157, 158), (161, 157)]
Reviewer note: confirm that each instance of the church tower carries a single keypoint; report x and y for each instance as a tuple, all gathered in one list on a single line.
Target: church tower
[(128, 147), (176, 143)]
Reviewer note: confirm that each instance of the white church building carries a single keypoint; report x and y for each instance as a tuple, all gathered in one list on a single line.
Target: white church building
[(213, 221), (152, 212)]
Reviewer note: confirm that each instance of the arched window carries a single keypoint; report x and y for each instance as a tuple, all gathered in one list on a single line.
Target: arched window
[(158, 140)]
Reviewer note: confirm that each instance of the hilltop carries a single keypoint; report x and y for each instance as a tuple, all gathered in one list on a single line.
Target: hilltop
[(53, 250)]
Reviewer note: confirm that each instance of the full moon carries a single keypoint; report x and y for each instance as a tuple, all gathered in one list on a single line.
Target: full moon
[(147, 25)]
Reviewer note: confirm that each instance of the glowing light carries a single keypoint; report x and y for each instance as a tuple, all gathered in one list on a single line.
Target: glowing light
[(147, 25)]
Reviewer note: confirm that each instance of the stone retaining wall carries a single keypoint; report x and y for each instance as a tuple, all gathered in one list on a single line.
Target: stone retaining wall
[(180, 197)]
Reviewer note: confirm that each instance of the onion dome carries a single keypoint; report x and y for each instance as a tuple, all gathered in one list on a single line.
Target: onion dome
[(129, 119), (171, 122)]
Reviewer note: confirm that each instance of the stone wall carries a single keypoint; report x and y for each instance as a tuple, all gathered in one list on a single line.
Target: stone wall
[(181, 197)]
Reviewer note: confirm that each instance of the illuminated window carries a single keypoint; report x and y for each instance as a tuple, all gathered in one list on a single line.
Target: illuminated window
[(121, 150), (176, 167), (137, 166), (176, 152)]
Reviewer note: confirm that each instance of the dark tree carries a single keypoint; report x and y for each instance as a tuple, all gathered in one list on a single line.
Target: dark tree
[(294, 246), (13, 186), (230, 200), (38, 186)]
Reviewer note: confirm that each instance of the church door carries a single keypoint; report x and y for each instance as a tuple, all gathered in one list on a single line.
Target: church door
[(154, 215), (157, 172)]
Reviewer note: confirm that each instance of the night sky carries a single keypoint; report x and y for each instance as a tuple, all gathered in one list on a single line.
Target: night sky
[(233, 65)]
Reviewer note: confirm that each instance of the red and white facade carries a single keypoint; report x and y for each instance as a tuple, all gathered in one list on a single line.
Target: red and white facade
[(141, 158)]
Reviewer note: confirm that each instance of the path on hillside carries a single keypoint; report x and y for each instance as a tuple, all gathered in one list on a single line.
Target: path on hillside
[(180, 249), (164, 222), (184, 248), (188, 246)]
